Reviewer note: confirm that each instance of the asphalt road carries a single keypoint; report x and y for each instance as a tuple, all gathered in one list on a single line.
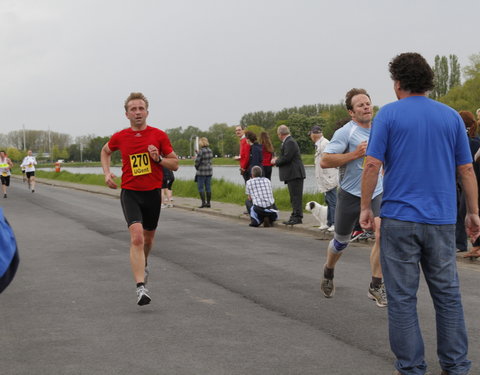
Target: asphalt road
[(227, 298)]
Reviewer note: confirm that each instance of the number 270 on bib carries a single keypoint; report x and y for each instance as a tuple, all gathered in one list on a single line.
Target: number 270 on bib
[(140, 164)]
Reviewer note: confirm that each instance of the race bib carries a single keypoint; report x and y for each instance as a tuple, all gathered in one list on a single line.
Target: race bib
[(140, 164), (4, 174), (30, 165)]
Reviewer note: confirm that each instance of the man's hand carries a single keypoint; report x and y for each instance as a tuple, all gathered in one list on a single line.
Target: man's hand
[(273, 161), (154, 154), (367, 220), (472, 226), (109, 180), (361, 149)]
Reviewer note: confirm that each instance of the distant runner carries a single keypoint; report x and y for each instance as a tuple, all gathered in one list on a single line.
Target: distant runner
[(29, 162), (145, 150), (5, 166)]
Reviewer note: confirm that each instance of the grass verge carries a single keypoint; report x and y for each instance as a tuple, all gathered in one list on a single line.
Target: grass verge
[(222, 191)]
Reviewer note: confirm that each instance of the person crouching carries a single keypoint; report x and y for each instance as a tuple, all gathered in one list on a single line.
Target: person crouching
[(260, 202)]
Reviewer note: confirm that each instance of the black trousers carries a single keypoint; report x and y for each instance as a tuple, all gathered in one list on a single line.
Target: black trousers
[(295, 189)]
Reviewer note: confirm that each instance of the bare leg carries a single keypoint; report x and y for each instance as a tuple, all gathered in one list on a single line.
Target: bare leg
[(332, 258), (164, 196), (148, 236), (137, 252), (32, 182)]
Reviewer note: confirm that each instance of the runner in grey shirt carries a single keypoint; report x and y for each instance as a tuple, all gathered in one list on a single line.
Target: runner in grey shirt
[(347, 151)]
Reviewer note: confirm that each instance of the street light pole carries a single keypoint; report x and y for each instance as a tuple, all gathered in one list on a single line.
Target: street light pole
[(24, 142)]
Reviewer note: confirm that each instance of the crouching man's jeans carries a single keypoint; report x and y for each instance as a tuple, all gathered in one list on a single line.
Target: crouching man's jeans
[(404, 246)]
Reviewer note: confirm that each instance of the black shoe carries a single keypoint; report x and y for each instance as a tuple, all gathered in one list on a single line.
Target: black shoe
[(266, 222), (293, 221), (4, 195)]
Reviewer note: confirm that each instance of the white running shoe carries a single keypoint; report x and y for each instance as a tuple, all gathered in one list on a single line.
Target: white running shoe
[(323, 227), (331, 228), (142, 296)]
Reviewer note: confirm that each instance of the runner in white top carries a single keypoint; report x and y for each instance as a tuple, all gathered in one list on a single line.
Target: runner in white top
[(29, 163)]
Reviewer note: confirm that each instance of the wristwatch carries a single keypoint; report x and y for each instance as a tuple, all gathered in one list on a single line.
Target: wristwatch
[(159, 159)]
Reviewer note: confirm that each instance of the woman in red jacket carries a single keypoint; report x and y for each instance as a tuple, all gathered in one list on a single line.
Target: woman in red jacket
[(267, 151)]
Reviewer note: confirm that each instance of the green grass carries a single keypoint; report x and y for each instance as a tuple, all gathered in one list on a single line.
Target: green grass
[(228, 192), (87, 179), (222, 191)]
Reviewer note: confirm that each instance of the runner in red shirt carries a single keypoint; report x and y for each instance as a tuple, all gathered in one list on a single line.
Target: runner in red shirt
[(145, 150)]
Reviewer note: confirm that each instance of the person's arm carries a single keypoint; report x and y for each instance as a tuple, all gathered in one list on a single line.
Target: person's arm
[(337, 160), (105, 158), (244, 155), (470, 188), (169, 161), (290, 149), (369, 182), (9, 162)]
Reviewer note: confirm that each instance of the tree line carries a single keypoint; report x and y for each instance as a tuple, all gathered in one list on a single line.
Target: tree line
[(223, 142)]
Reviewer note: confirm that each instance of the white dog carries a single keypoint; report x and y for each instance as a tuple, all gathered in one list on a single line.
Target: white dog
[(319, 212)]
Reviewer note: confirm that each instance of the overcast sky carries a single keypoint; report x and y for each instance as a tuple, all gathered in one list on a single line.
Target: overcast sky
[(69, 65)]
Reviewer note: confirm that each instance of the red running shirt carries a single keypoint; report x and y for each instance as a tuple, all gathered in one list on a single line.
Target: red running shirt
[(139, 171)]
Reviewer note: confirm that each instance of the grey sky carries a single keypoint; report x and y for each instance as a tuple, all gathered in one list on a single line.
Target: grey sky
[(69, 65)]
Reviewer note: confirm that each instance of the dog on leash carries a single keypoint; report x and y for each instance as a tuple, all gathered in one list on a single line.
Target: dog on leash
[(319, 212)]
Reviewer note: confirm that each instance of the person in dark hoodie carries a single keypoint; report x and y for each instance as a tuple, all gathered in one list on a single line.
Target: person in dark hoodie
[(256, 153)]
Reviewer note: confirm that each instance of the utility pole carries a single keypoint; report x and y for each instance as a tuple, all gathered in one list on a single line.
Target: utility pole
[(50, 145), (24, 142)]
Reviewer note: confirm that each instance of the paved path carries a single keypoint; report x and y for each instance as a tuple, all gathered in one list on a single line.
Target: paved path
[(227, 298)]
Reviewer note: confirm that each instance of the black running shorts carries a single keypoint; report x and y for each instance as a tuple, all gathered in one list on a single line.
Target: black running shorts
[(5, 180), (141, 207), (30, 174), (347, 212)]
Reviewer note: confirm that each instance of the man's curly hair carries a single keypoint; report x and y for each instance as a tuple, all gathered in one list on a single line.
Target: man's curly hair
[(413, 73)]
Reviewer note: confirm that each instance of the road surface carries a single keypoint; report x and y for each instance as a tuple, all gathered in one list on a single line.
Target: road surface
[(227, 298)]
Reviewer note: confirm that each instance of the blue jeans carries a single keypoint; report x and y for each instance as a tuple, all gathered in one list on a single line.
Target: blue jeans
[(331, 201), (204, 181), (404, 246)]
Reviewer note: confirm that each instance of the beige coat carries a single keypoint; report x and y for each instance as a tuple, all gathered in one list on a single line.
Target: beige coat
[(326, 178)]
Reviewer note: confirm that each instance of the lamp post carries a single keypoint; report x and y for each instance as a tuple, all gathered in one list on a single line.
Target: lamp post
[(190, 145)]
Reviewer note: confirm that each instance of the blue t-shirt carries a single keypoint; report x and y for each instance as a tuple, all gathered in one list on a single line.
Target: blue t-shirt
[(420, 142), (346, 139)]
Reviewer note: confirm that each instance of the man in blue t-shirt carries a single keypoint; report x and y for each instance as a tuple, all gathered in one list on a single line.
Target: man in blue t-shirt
[(421, 144), (347, 151)]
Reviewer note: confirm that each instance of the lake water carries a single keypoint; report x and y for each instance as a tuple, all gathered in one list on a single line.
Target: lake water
[(187, 172)]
